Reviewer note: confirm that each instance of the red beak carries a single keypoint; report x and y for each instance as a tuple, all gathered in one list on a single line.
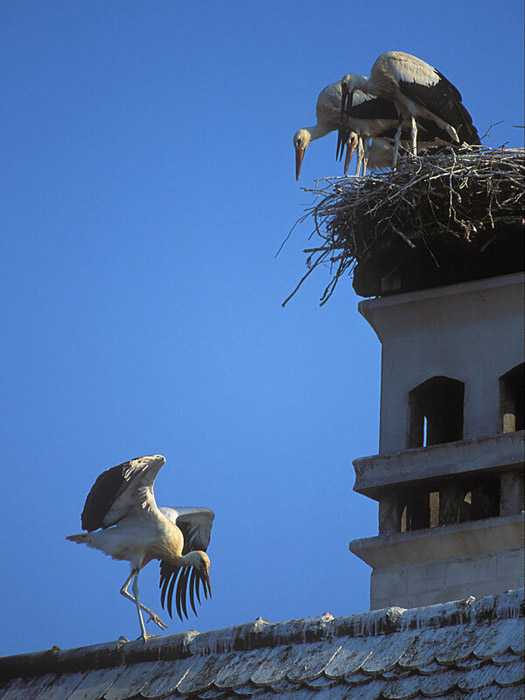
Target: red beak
[(349, 153), (299, 155)]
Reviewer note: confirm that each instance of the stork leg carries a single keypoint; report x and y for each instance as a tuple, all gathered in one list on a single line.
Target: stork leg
[(360, 155), (413, 132), (396, 141), (152, 616), (365, 157), (137, 603)]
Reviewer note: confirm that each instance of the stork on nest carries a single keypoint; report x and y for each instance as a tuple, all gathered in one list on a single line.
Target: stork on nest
[(436, 219)]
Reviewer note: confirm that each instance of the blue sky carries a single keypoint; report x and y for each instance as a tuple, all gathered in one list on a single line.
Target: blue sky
[(147, 183)]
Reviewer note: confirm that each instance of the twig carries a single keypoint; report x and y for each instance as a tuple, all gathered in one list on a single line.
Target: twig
[(453, 197)]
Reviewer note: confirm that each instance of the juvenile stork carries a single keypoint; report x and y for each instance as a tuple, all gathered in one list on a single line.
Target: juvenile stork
[(381, 150), (329, 118), (363, 117), (368, 118), (123, 520), (419, 92), (379, 154)]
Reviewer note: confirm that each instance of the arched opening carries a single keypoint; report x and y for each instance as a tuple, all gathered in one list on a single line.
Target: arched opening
[(435, 412), (512, 399)]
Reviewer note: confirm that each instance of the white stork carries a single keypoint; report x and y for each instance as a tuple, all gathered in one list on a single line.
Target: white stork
[(377, 155), (329, 118), (421, 95), (367, 117), (374, 155), (380, 152), (133, 528)]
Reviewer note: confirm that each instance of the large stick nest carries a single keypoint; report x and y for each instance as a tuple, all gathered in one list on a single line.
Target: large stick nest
[(436, 219)]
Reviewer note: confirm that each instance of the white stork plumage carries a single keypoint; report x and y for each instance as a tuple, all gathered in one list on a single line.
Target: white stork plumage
[(371, 117), (380, 152), (422, 95), (123, 520), (329, 118), (367, 117), (375, 120), (377, 155), (364, 118)]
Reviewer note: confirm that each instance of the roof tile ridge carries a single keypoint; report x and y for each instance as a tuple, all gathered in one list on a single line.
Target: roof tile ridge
[(261, 633)]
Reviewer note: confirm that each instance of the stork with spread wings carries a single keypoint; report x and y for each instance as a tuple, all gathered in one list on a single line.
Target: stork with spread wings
[(123, 520)]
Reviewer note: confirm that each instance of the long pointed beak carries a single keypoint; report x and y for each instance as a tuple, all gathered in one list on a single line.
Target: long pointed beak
[(344, 90), (342, 137), (339, 149), (350, 148), (206, 583), (299, 155)]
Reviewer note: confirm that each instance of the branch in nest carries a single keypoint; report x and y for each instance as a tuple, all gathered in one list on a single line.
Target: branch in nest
[(447, 198)]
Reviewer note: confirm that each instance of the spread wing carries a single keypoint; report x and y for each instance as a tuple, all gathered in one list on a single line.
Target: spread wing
[(120, 489), (195, 525)]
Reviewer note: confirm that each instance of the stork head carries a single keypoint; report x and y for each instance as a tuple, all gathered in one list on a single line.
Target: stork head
[(202, 564), (349, 83), (345, 82), (346, 95), (301, 139)]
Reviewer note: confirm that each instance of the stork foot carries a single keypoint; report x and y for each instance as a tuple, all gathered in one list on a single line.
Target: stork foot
[(156, 619), (146, 637)]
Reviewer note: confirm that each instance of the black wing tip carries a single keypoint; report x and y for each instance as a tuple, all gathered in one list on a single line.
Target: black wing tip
[(168, 579), (188, 581), (192, 590), (180, 599)]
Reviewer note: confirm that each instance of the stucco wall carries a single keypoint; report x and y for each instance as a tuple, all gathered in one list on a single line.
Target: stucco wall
[(441, 581), (473, 332)]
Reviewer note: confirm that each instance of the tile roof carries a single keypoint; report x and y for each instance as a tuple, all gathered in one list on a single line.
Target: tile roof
[(469, 650)]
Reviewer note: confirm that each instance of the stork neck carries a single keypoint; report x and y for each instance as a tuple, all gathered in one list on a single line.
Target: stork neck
[(360, 82), (318, 131), (190, 559)]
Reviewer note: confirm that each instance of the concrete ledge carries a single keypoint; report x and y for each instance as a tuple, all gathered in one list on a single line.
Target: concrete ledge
[(375, 473), (416, 585), (431, 544), (368, 307)]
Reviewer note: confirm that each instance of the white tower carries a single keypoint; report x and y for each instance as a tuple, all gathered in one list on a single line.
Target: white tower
[(449, 473)]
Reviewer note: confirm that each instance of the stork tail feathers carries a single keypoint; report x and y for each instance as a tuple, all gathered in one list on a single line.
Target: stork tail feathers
[(467, 132)]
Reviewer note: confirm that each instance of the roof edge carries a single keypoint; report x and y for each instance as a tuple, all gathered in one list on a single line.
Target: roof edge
[(264, 634)]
